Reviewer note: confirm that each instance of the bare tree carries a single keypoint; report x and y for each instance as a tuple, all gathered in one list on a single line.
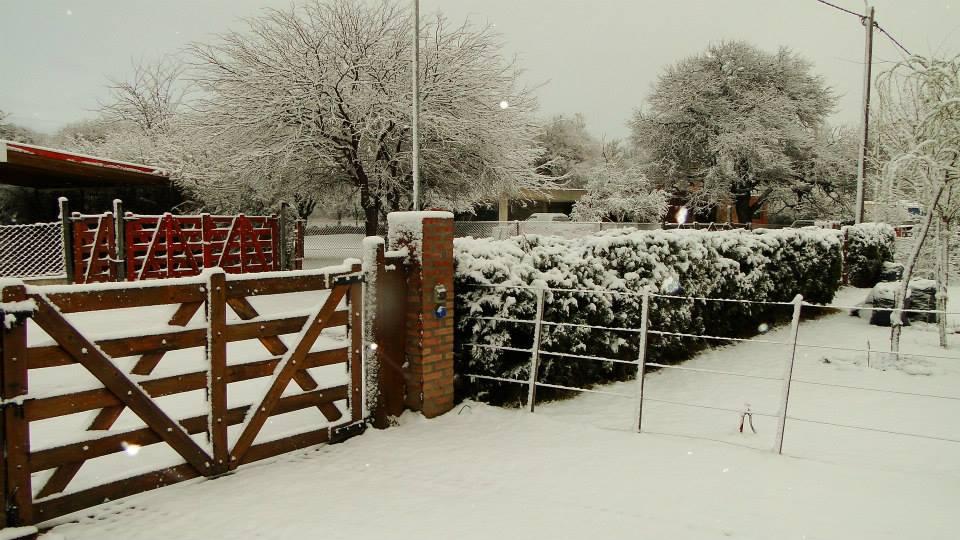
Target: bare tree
[(325, 86), (919, 126), (150, 97)]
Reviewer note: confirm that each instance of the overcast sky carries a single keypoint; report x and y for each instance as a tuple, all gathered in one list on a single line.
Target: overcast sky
[(597, 57)]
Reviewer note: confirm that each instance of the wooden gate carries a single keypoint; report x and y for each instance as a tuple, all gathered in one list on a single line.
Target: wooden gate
[(200, 441)]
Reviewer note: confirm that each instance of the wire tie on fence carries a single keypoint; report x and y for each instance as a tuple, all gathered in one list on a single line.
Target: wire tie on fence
[(747, 415)]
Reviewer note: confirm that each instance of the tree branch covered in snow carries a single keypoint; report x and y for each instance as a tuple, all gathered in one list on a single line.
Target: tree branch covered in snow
[(618, 194), (324, 90), (919, 126), (737, 124)]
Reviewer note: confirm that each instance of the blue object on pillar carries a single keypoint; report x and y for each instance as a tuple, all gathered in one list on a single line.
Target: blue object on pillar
[(440, 312)]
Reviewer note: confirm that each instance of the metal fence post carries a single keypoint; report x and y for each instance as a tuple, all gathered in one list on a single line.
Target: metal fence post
[(66, 229), (642, 355), (120, 239), (535, 352), (788, 375), (298, 245)]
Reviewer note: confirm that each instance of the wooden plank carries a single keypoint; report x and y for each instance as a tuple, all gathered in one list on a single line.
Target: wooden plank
[(217, 358), (18, 494), (88, 400), (242, 307), (60, 478), (117, 382), (52, 508), (257, 286), (390, 337), (355, 364), (291, 363), (145, 366), (282, 446), (290, 325), (54, 355), (3, 455), (80, 451), (119, 298), (148, 362)]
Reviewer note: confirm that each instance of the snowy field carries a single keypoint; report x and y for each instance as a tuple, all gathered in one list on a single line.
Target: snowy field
[(576, 469)]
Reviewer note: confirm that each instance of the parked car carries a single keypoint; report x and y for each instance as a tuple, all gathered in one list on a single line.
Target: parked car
[(548, 216)]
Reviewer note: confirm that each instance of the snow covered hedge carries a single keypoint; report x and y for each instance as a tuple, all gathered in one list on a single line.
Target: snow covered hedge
[(763, 265), (869, 245)]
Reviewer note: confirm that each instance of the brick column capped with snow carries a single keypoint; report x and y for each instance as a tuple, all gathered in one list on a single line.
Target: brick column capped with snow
[(428, 239)]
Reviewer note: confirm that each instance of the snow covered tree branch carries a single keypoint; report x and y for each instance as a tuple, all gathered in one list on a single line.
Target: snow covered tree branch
[(618, 194), (323, 89), (919, 126), (734, 124)]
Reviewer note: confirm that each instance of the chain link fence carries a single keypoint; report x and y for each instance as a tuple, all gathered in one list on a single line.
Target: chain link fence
[(575, 229), (329, 244), (28, 251)]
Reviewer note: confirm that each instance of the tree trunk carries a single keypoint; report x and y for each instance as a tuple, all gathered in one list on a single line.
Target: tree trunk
[(896, 317), (943, 270), (372, 218), (371, 210), (744, 208)]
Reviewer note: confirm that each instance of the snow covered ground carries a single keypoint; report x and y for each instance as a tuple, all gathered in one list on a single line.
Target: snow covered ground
[(576, 469)]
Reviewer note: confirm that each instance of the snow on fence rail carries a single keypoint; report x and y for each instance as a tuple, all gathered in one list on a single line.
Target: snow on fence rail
[(29, 251), (788, 379), (68, 350)]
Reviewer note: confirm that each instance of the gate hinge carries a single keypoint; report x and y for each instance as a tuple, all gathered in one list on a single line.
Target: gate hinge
[(340, 434)]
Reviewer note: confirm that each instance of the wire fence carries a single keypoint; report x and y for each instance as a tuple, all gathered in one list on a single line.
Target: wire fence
[(575, 229), (787, 381), (331, 243), (30, 251)]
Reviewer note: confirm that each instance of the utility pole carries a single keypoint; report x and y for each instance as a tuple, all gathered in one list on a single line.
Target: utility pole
[(415, 128), (868, 22)]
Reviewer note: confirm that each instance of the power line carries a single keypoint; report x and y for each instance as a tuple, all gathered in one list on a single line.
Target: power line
[(893, 39), (845, 10), (863, 18)]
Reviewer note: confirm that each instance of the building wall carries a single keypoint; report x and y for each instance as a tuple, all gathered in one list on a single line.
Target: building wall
[(28, 205)]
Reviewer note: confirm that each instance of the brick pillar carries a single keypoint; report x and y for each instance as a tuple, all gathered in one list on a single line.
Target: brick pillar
[(428, 238)]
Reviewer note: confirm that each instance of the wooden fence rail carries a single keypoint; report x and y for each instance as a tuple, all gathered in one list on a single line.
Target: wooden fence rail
[(201, 441)]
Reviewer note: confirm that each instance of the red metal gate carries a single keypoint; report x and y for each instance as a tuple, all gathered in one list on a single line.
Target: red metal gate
[(167, 246), (178, 246), (95, 249)]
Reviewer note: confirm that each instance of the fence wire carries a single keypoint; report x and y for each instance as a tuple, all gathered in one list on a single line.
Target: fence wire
[(640, 396), (28, 251), (331, 243)]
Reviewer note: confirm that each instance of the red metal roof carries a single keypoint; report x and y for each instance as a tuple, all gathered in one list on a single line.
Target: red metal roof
[(36, 166)]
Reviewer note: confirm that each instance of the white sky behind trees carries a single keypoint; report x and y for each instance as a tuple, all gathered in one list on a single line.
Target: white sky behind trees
[(597, 57)]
